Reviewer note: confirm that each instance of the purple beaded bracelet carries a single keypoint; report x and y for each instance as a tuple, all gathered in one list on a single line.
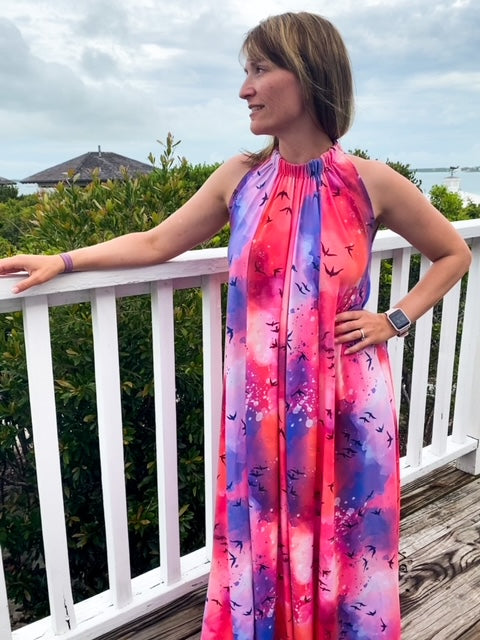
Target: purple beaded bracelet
[(67, 261)]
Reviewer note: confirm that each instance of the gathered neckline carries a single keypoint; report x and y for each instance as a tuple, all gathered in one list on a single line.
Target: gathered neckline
[(310, 168)]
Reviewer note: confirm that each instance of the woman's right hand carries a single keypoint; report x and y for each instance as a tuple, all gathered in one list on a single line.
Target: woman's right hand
[(39, 269)]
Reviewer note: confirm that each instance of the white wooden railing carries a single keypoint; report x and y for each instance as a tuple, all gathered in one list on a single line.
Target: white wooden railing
[(127, 598)]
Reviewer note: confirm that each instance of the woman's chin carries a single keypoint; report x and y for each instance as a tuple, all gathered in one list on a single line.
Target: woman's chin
[(259, 130)]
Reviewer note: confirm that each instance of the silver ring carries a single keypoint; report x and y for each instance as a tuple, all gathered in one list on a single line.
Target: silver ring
[(362, 333)]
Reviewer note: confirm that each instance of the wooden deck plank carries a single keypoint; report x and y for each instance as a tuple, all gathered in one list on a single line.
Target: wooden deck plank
[(180, 620), (440, 585), (440, 568), (440, 559), (420, 493), (473, 633), (457, 509)]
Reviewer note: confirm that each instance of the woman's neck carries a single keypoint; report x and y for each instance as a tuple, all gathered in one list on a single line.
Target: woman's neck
[(299, 149)]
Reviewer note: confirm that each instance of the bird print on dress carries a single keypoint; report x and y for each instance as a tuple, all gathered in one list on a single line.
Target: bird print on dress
[(306, 527)]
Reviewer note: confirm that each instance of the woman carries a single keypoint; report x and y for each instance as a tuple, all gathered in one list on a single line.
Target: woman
[(306, 532)]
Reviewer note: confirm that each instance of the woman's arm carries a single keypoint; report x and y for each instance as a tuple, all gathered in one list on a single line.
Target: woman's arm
[(401, 207), (196, 221)]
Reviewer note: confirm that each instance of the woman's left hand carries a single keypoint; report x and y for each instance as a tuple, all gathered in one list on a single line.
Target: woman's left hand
[(362, 328)]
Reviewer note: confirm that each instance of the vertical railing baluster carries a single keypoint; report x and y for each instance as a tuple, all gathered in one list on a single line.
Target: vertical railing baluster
[(467, 416), (418, 392), (375, 270), (47, 461), (400, 277), (163, 346), (110, 434), (213, 389), (445, 366)]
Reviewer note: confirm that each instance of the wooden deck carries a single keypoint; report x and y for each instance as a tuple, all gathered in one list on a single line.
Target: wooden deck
[(440, 557), (439, 570)]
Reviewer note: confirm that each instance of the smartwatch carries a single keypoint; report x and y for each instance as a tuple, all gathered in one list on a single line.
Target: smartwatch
[(399, 321)]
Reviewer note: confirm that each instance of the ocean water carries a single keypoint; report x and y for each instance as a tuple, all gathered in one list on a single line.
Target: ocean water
[(469, 180)]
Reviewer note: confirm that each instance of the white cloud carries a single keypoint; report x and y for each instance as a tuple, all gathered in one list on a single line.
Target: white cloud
[(468, 81), (123, 74)]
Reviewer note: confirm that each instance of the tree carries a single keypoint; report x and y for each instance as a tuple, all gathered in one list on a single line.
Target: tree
[(361, 153), (406, 171), (402, 168), (471, 211), (452, 205), (8, 192), (16, 216)]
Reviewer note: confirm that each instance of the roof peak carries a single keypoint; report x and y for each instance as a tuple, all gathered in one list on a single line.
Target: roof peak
[(108, 163)]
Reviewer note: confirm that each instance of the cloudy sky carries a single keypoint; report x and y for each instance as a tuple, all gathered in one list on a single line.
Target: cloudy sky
[(123, 73)]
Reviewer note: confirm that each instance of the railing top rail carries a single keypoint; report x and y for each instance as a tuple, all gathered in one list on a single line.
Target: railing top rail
[(386, 240), (191, 263)]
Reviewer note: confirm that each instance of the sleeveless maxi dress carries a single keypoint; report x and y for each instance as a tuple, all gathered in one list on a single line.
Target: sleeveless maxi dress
[(307, 514)]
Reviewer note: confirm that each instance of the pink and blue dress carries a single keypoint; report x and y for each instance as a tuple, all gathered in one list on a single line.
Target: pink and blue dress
[(307, 518)]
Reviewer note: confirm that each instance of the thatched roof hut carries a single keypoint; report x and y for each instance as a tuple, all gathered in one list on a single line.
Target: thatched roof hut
[(6, 183), (109, 164)]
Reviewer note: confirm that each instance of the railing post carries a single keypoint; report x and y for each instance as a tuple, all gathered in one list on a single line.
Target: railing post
[(213, 379), (466, 420)]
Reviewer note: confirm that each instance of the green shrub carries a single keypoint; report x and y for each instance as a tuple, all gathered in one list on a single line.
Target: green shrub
[(65, 218), (8, 192)]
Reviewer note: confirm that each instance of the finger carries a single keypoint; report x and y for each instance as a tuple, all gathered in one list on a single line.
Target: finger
[(40, 272), (356, 348), (347, 327), (359, 343), (353, 336), (25, 284), (346, 316), (11, 265)]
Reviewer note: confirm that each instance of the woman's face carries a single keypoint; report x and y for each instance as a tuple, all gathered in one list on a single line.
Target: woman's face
[(274, 98)]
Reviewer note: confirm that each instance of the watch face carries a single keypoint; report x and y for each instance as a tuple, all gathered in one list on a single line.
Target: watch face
[(399, 319)]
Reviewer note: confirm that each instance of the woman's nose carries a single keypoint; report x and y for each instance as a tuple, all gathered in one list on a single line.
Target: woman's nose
[(246, 90)]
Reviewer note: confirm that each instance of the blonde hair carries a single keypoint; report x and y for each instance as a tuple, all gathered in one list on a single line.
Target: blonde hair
[(311, 48)]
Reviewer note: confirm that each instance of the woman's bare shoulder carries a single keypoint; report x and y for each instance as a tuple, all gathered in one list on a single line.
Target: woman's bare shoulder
[(237, 166), (372, 170), (229, 174), (383, 183)]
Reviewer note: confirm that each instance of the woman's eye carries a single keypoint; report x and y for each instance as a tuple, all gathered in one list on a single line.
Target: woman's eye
[(256, 69)]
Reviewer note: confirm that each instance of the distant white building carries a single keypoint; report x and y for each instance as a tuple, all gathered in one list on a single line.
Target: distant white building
[(452, 182)]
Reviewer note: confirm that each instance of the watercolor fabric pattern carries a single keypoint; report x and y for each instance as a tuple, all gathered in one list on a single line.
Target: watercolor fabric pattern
[(306, 530)]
